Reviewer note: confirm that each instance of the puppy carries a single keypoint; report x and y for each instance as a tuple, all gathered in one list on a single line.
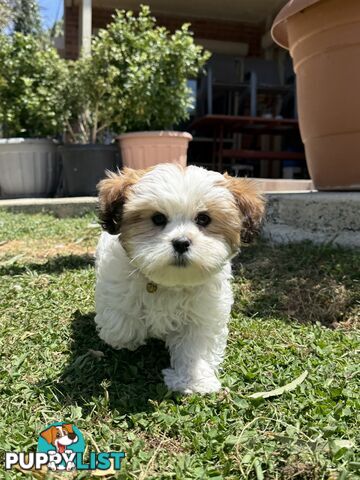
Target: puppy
[(163, 264)]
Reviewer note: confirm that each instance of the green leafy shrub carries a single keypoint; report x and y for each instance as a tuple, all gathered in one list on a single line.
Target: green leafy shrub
[(7, 13), (32, 84), (136, 78)]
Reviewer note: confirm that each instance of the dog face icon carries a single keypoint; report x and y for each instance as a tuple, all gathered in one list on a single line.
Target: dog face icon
[(61, 436)]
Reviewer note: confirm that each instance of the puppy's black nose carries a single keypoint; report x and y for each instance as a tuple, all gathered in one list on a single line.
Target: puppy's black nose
[(181, 245), (72, 436)]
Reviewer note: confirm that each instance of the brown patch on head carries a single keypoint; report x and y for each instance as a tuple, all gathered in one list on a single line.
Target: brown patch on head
[(225, 222), (136, 223), (113, 193), (250, 204)]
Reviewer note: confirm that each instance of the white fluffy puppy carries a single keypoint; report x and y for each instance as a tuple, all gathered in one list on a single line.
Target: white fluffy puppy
[(163, 264)]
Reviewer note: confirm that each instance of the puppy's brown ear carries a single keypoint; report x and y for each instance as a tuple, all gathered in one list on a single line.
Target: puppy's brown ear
[(113, 193), (250, 202), (49, 435)]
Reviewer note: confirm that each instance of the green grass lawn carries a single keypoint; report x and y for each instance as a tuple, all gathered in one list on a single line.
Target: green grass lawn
[(297, 309)]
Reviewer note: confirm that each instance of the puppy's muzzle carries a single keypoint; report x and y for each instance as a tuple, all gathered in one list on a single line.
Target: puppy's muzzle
[(181, 245)]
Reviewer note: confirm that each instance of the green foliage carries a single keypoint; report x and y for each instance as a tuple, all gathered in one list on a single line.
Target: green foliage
[(7, 13), (27, 17), (32, 83), (136, 78)]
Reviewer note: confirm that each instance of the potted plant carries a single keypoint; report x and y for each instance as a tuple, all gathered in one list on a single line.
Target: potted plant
[(32, 77), (143, 71), (324, 42), (88, 150)]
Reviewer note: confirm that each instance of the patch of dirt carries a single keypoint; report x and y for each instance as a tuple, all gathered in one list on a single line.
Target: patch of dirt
[(40, 250), (310, 301), (299, 470), (171, 445)]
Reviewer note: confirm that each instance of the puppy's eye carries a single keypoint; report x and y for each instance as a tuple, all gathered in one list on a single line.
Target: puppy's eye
[(203, 219), (159, 219)]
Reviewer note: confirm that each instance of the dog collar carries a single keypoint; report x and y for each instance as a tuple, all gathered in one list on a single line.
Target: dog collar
[(151, 287)]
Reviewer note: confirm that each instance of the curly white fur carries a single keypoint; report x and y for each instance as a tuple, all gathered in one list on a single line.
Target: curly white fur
[(191, 305)]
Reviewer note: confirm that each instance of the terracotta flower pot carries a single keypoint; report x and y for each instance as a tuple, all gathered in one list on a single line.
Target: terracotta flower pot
[(144, 149), (323, 37)]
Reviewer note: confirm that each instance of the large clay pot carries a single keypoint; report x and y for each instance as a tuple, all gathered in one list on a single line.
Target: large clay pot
[(145, 149), (323, 37)]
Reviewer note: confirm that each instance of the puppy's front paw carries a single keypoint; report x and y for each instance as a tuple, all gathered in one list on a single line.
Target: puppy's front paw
[(177, 383), (205, 385)]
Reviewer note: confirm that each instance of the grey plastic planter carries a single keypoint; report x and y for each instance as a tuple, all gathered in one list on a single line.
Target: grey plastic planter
[(84, 166), (28, 167)]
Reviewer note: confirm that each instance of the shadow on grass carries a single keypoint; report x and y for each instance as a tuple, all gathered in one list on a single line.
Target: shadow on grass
[(56, 264), (124, 380), (299, 282)]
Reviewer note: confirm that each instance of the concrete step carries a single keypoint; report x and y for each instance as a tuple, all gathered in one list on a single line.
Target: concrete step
[(321, 217)]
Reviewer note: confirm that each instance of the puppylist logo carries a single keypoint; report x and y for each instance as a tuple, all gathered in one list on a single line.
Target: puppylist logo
[(61, 447)]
